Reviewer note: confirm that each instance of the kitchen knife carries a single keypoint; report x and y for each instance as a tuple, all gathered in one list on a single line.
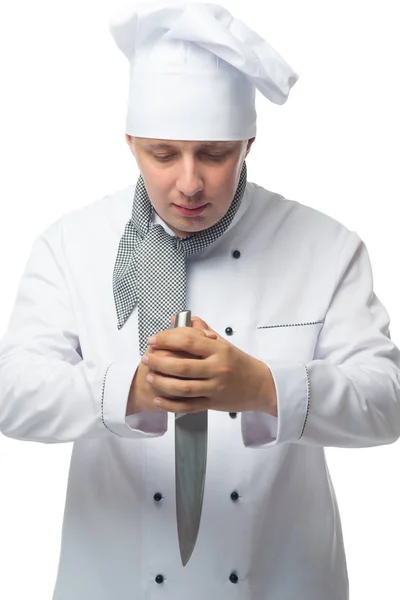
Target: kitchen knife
[(190, 468)]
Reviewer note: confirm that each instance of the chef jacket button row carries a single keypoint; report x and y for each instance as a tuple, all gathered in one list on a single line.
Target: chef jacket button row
[(232, 577), (229, 330)]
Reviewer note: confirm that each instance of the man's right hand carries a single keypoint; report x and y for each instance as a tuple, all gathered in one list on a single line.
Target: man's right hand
[(141, 393)]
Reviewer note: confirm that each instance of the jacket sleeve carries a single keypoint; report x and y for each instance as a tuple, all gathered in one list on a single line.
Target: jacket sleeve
[(349, 395), (48, 392)]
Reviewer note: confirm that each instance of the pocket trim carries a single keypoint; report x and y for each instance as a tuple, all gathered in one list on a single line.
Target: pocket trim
[(291, 324)]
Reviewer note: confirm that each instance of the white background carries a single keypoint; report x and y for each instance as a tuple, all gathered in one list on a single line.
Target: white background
[(333, 146)]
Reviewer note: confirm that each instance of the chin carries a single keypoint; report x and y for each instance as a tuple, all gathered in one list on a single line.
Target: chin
[(185, 230)]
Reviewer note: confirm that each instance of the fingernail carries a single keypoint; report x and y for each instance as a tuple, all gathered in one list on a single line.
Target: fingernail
[(150, 378), (152, 339), (145, 359)]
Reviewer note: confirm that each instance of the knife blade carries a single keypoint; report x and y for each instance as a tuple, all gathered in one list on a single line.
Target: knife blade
[(191, 432)]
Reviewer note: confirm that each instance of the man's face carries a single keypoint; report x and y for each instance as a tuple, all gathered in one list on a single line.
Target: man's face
[(182, 175)]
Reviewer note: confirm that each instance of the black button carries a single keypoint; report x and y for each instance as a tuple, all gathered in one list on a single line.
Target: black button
[(233, 577), (157, 496), (235, 496), (229, 331), (159, 579), (233, 415), (236, 254)]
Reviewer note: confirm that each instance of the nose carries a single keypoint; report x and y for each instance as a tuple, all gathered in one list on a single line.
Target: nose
[(189, 181)]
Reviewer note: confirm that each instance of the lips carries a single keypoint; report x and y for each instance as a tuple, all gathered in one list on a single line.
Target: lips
[(190, 212), (191, 207)]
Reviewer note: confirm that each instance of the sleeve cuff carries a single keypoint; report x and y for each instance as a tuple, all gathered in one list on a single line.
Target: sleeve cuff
[(116, 386), (152, 423), (262, 430)]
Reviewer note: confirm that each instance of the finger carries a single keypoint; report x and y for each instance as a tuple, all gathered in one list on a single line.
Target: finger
[(188, 368), (198, 323), (171, 387), (153, 351), (211, 334), (203, 325), (180, 406), (184, 339)]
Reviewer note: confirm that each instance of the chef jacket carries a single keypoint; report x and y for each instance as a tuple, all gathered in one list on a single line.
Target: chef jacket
[(287, 284)]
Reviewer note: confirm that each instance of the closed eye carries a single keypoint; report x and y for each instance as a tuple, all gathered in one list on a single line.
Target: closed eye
[(206, 155), (163, 158)]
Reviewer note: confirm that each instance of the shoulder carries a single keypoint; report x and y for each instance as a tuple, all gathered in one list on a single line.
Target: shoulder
[(291, 217), (101, 217)]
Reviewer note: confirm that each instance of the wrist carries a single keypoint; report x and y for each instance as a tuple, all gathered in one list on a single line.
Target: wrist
[(266, 398), (132, 407)]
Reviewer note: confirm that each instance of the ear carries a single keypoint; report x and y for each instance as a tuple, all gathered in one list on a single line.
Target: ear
[(129, 141), (249, 145)]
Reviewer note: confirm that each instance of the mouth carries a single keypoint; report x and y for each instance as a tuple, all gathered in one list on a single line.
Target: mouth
[(187, 211)]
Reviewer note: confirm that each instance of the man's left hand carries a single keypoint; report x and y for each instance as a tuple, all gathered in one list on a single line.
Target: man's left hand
[(207, 374)]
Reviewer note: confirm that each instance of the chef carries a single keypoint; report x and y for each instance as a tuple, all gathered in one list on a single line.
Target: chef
[(289, 349)]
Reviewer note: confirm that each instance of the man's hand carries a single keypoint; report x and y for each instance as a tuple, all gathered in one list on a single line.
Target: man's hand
[(142, 394), (200, 373)]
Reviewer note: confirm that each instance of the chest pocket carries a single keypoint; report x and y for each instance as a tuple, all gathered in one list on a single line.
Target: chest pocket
[(294, 341)]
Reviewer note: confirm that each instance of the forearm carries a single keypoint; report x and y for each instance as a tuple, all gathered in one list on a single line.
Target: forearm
[(43, 399), (322, 404)]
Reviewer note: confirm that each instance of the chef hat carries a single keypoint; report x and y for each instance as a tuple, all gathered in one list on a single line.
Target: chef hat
[(194, 71)]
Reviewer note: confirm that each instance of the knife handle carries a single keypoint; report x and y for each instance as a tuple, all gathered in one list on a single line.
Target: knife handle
[(183, 319)]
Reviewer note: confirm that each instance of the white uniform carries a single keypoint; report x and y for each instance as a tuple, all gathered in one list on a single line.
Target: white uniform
[(300, 298)]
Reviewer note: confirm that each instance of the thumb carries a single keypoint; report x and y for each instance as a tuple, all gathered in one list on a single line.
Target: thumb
[(198, 323)]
